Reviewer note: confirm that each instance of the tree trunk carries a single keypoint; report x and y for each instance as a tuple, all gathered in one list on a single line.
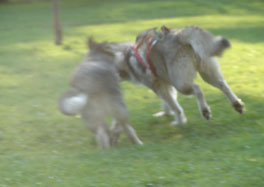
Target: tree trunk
[(57, 25), (3, 1)]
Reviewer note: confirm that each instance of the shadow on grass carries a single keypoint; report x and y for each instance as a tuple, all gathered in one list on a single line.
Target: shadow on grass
[(225, 121)]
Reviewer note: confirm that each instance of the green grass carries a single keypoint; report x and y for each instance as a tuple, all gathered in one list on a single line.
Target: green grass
[(41, 147)]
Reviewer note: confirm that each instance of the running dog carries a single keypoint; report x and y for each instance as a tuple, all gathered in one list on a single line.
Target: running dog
[(170, 59), (174, 57)]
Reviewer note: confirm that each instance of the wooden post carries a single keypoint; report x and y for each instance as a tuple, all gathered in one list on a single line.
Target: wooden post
[(56, 22)]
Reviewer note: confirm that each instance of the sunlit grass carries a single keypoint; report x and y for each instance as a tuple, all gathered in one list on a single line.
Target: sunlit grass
[(41, 147)]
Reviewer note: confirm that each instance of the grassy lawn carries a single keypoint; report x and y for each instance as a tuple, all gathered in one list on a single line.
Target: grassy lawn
[(41, 147)]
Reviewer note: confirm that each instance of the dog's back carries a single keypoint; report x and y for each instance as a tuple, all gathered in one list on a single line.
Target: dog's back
[(193, 42), (203, 43)]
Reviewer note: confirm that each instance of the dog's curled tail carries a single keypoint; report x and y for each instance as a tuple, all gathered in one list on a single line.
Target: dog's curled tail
[(203, 43), (72, 102)]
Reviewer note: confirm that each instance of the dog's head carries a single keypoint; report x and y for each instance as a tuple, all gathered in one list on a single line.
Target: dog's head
[(121, 58), (115, 53), (102, 48)]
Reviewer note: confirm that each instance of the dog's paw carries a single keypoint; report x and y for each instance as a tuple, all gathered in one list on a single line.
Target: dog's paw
[(179, 122), (161, 114), (114, 138), (206, 113), (176, 123), (139, 142), (113, 142), (239, 106)]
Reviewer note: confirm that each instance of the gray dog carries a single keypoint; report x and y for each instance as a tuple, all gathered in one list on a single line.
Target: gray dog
[(94, 93), (175, 56), (170, 59)]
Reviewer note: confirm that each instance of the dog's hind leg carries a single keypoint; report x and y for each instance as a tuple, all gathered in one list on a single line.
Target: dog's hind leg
[(98, 127), (195, 90), (121, 125), (182, 74), (132, 135), (120, 113), (203, 107), (168, 95), (102, 136), (211, 74), (116, 129)]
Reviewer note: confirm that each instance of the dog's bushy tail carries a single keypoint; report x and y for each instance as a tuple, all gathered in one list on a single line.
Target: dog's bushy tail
[(203, 43), (72, 101)]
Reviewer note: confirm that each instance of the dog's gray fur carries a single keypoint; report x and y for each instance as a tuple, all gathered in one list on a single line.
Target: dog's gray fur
[(94, 93), (177, 58), (180, 55)]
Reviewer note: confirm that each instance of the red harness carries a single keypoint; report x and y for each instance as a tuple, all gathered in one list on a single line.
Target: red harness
[(138, 57), (151, 66), (150, 44), (151, 41)]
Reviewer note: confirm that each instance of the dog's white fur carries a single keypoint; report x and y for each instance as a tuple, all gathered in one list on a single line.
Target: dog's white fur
[(74, 105)]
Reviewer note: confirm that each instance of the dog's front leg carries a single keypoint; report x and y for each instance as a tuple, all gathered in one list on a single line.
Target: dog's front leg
[(166, 111), (168, 94)]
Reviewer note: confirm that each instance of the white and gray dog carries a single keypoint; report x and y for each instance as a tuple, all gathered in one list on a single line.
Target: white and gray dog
[(170, 59), (94, 93)]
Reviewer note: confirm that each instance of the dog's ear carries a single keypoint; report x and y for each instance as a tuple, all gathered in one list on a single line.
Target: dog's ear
[(163, 32), (145, 33), (91, 43), (106, 48), (165, 29), (103, 47)]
